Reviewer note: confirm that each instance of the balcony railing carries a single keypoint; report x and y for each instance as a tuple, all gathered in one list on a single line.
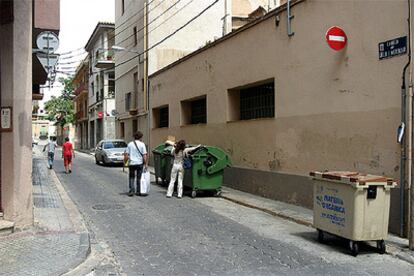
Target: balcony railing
[(80, 115), (80, 89), (105, 59)]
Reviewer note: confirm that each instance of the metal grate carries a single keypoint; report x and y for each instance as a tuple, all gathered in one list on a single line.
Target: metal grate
[(257, 102), (199, 111), (163, 117)]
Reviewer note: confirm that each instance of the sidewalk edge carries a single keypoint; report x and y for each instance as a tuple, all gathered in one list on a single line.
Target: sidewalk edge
[(273, 213), (75, 217)]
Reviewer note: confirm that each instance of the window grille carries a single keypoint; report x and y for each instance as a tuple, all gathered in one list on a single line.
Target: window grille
[(199, 111), (257, 102), (163, 117)]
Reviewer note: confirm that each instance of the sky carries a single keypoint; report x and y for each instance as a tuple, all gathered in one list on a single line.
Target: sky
[(78, 19)]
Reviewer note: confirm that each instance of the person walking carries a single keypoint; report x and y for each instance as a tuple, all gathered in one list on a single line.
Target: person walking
[(67, 154), (179, 152), (51, 147), (136, 154)]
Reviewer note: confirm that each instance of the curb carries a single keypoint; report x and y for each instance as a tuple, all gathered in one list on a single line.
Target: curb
[(273, 213), (400, 254), (76, 218), (403, 255)]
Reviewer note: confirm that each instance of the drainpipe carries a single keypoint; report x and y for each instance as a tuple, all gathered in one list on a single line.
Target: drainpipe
[(146, 88), (403, 156), (410, 141), (1, 135)]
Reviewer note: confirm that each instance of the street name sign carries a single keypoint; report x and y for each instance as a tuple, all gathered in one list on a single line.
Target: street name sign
[(392, 48), (336, 38), (47, 42), (6, 119), (48, 61)]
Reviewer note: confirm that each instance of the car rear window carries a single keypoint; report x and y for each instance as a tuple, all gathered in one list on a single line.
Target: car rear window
[(117, 144)]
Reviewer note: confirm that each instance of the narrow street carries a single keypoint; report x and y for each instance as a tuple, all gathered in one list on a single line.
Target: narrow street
[(205, 236)]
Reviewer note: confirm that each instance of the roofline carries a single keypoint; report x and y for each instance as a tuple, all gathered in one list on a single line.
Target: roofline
[(96, 30), (228, 36)]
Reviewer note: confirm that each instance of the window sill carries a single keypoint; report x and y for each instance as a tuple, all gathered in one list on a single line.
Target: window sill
[(251, 120), (192, 125)]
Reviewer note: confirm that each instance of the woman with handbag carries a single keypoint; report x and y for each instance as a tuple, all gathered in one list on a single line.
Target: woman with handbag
[(136, 154), (180, 152)]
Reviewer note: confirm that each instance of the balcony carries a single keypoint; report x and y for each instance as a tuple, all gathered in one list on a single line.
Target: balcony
[(104, 59), (80, 89), (100, 95), (37, 93), (81, 116)]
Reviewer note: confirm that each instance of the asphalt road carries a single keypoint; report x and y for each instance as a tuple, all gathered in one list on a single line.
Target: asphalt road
[(204, 236)]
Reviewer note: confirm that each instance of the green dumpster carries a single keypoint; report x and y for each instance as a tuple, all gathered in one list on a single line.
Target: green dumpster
[(161, 154), (207, 170)]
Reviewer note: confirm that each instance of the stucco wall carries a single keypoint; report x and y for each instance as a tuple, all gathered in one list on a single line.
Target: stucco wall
[(339, 108), (334, 110), (16, 149)]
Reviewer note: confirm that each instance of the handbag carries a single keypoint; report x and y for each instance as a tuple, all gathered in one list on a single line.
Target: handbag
[(145, 182), (187, 163)]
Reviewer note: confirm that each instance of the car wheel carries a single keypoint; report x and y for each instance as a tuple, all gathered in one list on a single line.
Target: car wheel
[(96, 160)]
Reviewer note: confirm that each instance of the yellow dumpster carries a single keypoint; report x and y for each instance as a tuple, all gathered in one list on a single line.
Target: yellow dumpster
[(352, 205)]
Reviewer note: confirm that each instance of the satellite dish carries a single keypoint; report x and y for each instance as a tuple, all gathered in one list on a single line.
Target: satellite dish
[(47, 42)]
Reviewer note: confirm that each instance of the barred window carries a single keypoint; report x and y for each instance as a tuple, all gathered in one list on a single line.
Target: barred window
[(199, 111), (257, 102), (194, 111), (163, 117), (252, 102), (160, 117)]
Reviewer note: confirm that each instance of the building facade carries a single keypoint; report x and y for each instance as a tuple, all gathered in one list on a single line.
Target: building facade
[(101, 102), (156, 33), (21, 75), (80, 85), (296, 105)]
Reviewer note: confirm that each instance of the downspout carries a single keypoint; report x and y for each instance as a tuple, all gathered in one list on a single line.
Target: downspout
[(1, 135), (403, 156), (410, 89)]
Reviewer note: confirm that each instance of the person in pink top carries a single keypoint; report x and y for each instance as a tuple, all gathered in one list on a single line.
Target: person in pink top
[(67, 154)]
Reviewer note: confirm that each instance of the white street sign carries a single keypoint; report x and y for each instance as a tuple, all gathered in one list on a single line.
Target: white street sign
[(48, 61), (47, 42)]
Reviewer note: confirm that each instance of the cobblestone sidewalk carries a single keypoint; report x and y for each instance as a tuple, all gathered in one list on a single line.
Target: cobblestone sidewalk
[(57, 242)]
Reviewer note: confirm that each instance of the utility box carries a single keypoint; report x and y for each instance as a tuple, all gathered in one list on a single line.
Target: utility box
[(352, 205)]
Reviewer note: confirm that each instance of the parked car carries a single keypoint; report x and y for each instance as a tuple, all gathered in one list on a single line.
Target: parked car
[(110, 151)]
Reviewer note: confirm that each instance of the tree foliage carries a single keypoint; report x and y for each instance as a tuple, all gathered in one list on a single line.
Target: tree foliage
[(61, 109)]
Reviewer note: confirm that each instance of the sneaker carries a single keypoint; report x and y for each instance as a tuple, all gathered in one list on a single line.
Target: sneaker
[(168, 196), (179, 197), (130, 194), (138, 194)]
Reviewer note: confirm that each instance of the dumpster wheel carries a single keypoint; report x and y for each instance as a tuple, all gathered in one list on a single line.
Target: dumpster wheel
[(193, 193), (217, 193), (353, 246), (320, 235), (381, 246)]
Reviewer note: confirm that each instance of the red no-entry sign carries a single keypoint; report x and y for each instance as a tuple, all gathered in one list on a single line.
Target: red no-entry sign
[(336, 38)]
